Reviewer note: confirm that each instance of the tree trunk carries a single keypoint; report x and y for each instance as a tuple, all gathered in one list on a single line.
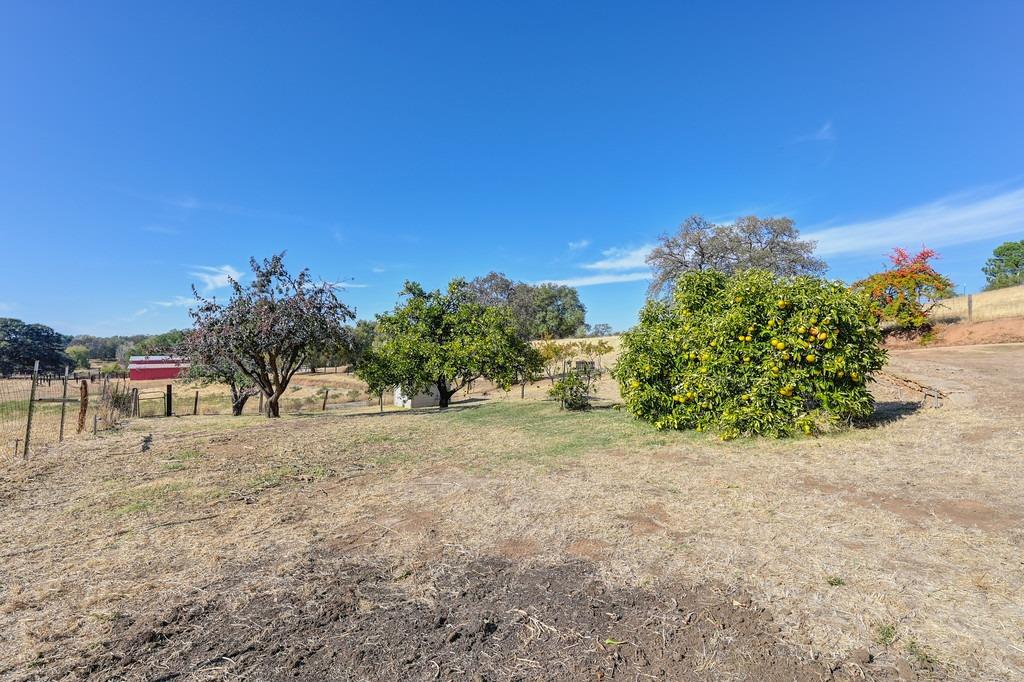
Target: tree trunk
[(273, 405), (444, 396), (238, 404)]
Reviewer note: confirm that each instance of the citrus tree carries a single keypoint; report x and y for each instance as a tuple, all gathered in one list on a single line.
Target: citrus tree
[(443, 341), (751, 354), (905, 293)]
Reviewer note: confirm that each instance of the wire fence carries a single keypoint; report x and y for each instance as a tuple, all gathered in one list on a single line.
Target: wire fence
[(38, 411)]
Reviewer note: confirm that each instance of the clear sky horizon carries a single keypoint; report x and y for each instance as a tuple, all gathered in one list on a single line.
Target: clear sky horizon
[(146, 147)]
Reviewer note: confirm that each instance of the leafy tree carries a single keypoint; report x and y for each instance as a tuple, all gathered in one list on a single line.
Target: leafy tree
[(554, 355), (362, 336), (22, 344), (444, 341), (905, 293), (79, 356), (541, 311), (771, 244), (105, 347), (219, 372), (751, 354), (1006, 266), (268, 328), (601, 330), (157, 344), (558, 311)]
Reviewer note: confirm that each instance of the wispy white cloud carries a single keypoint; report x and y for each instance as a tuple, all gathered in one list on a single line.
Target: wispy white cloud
[(956, 219), (579, 244), (826, 133), (621, 259), (347, 285), (377, 270), (591, 280), (176, 302), (140, 312), (215, 277)]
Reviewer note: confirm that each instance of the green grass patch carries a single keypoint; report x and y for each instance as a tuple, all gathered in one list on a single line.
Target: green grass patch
[(548, 433), (179, 460), (278, 476), (146, 498), (886, 634)]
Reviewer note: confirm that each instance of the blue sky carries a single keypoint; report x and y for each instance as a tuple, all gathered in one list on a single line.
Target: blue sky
[(145, 147)]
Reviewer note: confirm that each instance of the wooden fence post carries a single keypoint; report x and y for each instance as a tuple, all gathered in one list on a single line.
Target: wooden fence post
[(326, 393), (31, 407), (63, 405), (970, 307), (168, 401), (195, 405), (83, 404)]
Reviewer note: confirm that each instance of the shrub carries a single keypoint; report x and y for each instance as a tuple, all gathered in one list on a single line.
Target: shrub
[(573, 390), (905, 293), (751, 354)]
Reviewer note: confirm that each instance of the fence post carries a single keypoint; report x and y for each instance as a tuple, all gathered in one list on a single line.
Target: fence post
[(970, 307), (63, 405), (135, 402), (168, 404), (195, 405), (326, 392), (95, 423), (31, 407)]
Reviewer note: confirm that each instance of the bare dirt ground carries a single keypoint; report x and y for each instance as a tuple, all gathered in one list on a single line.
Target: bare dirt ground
[(504, 540), (1009, 330)]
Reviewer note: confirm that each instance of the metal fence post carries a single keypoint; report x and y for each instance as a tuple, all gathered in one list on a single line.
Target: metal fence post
[(31, 407), (168, 401), (63, 405)]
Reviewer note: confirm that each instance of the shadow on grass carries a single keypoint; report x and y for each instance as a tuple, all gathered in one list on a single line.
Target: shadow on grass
[(890, 411)]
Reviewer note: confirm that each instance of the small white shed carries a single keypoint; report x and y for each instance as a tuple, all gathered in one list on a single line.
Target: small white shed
[(426, 399)]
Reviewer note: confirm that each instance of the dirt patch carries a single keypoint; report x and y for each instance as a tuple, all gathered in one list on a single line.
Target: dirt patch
[(1010, 330), (334, 619), (517, 548), (589, 549)]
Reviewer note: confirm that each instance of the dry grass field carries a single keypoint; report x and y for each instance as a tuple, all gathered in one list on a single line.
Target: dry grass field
[(505, 540)]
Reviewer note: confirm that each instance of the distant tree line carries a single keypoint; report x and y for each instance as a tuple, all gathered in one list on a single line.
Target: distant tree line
[(22, 344)]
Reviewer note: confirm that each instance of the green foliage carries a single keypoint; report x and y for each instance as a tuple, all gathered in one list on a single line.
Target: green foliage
[(157, 344), (574, 389), (751, 354), (905, 294), (111, 368), (886, 634), (22, 344), (79, 356), (443, 341), (545, 311), (1006, 266), (106, 347)]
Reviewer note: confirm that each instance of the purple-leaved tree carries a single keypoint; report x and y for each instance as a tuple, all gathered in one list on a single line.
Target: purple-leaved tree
[(269, 327)]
